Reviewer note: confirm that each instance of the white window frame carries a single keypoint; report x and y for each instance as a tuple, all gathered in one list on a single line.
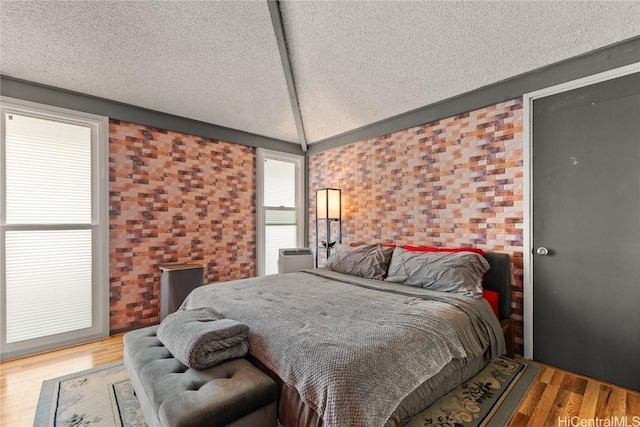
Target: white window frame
[(263, 154), (99, 126)]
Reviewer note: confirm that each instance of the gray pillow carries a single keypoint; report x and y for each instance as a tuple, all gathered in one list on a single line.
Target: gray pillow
[(370, 261), (456, 272)]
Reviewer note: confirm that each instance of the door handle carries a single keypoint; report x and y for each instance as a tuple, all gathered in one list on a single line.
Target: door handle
[(542, 251)]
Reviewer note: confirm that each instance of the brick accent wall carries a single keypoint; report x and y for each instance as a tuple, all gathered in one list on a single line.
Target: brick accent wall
[(453, 182), (175, 198)]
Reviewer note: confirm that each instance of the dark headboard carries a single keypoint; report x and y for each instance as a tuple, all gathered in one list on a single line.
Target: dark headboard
[(498, 279)]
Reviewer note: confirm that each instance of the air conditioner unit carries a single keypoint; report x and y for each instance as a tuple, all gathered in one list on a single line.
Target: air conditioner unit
[(295, 259)]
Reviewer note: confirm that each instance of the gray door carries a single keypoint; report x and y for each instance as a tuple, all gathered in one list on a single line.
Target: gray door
[(586, 213)]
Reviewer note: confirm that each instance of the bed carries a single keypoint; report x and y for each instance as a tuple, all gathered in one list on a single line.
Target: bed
[(352, 351)]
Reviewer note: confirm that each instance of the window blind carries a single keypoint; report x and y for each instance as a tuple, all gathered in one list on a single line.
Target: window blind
[(279, 183), (48, 282), (48, 227), (279, 210), (48, 172)]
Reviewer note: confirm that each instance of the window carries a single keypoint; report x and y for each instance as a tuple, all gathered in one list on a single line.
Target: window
[(54, 280), (280, 207)]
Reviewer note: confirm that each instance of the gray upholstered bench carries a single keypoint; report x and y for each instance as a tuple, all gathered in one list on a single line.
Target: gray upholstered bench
[(234, 393)]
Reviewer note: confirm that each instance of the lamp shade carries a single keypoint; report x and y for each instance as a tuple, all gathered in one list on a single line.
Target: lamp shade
[(328, 203)]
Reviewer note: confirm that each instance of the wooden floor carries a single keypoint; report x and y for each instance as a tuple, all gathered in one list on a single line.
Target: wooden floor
[(561, 395), (21, 379), (555, 394)]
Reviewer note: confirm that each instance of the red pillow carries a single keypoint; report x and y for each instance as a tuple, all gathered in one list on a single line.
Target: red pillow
[(492, 297), (420, 248), (440, 249), (384, 245)]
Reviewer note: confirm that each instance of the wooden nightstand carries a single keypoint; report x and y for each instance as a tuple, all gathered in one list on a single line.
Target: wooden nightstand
[(509, 335)]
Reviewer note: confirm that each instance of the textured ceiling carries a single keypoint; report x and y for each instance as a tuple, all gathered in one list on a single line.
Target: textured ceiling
[(217, 62), (354, 63)]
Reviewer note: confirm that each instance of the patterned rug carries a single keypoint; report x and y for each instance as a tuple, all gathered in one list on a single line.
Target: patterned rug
[(488, 399), (103, 397), (98, 397)]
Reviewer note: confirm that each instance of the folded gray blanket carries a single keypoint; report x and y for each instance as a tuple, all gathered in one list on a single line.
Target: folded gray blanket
[(202, 338)]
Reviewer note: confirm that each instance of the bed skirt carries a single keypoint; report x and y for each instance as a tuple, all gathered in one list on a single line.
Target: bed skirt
[(294, 412)]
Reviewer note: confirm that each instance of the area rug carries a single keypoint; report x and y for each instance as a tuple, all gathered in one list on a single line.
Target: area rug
[(98, 397), (103, 397), (488, 399)]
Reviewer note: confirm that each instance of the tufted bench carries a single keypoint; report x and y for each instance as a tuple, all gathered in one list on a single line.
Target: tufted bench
[(234, 393)]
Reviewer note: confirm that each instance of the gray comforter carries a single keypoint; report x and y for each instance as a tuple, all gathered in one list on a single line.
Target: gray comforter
[(353, 348)]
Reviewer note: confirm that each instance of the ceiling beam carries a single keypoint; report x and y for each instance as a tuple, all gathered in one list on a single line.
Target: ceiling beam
[(276, 20)]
